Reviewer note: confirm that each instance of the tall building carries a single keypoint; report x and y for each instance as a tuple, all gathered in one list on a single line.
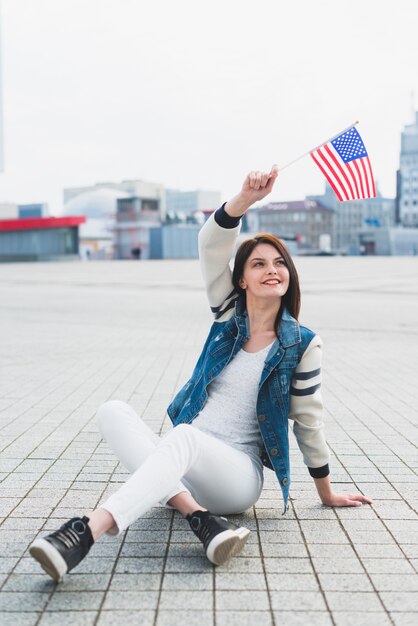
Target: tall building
[(134, 219), (357, 220), (407, 177)]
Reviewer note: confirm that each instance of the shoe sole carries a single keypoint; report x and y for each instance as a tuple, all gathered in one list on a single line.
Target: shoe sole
[(227, 544), (49, 558)]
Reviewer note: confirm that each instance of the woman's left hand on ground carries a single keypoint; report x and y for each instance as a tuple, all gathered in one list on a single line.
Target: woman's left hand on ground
[(346, 499)]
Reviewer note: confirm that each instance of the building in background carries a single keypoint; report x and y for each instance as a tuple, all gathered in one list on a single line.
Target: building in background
[(118, 217), (135, 217), (307, 222), (356, 221), (126, 188), (9, 211), (174, 241), (180, 205), (407, 177), (40, 238), (99, 206), (14, 211), (33, 210)]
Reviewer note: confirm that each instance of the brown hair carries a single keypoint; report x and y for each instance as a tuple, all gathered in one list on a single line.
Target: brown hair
[(291, 299)]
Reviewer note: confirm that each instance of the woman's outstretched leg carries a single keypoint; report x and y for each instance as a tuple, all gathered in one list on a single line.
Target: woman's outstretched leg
[(183, 451), (133, 442), (101, 521)]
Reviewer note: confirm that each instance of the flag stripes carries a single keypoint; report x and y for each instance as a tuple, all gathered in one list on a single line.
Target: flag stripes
[(345, 164)]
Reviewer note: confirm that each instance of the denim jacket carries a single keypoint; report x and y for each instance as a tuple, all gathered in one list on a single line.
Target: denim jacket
[(289, 387)]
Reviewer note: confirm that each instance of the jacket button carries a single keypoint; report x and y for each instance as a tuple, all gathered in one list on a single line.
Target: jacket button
[(284, 481), (261, 418), (274, 451), (183, 421)]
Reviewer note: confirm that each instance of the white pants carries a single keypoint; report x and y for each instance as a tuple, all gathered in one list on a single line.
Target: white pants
[(185, 459)]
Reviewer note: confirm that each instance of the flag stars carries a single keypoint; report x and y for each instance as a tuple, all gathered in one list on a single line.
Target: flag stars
[(349, 145)]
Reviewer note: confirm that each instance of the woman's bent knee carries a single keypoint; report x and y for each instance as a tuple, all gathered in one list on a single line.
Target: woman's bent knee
[(109, 412)]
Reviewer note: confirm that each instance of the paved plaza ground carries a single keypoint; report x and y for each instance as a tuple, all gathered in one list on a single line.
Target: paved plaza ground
[(73, 335)]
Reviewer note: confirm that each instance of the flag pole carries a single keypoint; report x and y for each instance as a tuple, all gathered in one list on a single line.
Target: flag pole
[(316, 147)]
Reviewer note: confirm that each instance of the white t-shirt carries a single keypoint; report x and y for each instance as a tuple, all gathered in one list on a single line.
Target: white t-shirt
[(230, 412)]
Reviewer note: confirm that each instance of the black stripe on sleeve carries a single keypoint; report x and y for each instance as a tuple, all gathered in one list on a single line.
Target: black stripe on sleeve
[(319, 472), (307, 375), (230, 305), (215, 309), (224, 220), (304, 392)]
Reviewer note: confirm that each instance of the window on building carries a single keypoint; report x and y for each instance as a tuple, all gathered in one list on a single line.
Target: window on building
[(150, 205)]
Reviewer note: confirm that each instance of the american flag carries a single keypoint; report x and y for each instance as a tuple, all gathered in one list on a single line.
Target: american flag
[(345, 164)]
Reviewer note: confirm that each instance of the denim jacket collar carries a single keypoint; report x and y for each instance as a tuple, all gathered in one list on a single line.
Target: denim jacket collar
[(289, 331)]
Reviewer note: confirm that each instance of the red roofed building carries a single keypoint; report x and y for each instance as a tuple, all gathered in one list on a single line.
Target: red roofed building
[(39, 238)]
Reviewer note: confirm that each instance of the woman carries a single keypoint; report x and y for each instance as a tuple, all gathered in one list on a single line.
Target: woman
[(258, 368)]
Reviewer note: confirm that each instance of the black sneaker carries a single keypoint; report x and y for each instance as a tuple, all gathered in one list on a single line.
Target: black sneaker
[(221, 539), (62, 550)]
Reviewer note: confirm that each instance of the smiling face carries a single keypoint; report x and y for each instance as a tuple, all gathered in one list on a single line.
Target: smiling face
[(265, 273)]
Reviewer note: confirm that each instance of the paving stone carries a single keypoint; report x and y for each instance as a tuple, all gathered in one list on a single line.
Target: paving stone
[(384, 551), (359, 618), (346, 601), (69, 618), (75, 600), (404, 619), (244, 618), (282, 565), (338, 566), (290, 582), (132, 582), (194, 581), (400, 600), (297, 601), (238, 601), (127, 618), (139, 550), (345, 582), (302, 618), (388, 566), (22, 601), (186, 600), (141, 600), (18, 618), (229, 581), (29, 582), (188, 564), (395, 582), (185, 618), (84, 582)]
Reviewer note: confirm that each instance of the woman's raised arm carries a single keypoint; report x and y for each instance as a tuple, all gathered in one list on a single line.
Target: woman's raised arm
[(217, 239)]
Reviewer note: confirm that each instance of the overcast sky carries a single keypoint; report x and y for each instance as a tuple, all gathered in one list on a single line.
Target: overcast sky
[(194, 94)]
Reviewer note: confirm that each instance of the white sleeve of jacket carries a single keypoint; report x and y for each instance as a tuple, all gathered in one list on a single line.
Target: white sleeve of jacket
[(216, 246), (306, 408)]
